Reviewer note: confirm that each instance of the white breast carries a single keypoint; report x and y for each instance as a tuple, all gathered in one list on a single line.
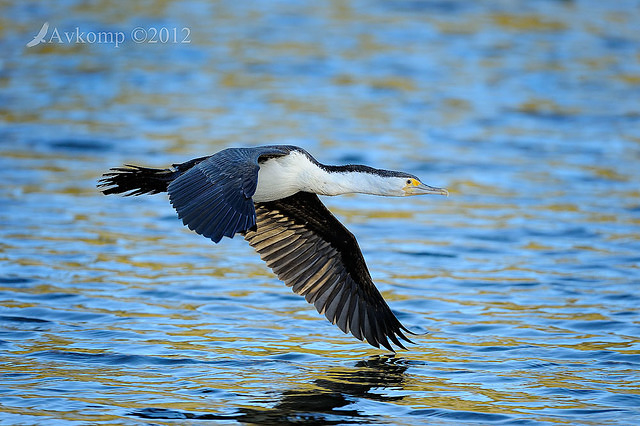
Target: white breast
[(280, 177)]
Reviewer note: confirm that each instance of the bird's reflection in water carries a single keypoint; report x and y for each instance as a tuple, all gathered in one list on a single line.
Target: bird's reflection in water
[(338, 389), (322, 405)]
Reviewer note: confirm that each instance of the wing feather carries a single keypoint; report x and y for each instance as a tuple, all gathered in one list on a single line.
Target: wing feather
[(214, 196), (315, 255)]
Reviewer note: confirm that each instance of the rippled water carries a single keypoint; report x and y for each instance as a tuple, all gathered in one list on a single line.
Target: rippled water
[(526, 278)]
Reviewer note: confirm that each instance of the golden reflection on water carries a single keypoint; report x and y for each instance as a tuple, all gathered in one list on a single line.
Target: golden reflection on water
[(525, 277)]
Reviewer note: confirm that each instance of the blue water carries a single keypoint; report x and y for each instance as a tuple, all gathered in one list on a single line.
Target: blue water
[(527, 278)]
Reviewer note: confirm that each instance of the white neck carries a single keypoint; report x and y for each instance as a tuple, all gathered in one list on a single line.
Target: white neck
[(284, 176), (323, 182)]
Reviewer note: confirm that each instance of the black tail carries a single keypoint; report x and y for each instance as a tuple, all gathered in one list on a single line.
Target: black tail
[(136, 180)]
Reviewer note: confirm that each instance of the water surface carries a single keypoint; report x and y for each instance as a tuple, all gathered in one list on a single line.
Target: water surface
[(526, 278)]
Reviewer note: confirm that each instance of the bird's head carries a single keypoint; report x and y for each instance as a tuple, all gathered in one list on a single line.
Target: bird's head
[(335, 180), (395, 184), (411, 185)]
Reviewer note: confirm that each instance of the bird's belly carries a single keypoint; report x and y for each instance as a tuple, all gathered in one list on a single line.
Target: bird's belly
[(275, 181)]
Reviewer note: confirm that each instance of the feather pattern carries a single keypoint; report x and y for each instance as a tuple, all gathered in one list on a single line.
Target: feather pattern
[(315, 255), (213, 198)]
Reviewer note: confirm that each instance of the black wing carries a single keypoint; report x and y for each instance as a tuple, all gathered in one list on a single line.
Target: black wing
[(213, 198), (312, 252)]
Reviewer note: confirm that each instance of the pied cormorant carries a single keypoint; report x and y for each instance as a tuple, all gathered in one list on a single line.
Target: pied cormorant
[(268, 195)]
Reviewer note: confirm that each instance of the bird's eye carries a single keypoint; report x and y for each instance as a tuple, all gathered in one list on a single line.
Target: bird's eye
[(408, 181)]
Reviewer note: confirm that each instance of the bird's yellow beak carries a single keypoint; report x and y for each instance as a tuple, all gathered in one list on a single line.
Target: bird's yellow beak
[(419, 188)]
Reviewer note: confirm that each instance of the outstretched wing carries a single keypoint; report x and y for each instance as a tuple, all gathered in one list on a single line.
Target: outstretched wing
[(312, 252), (213, 197)]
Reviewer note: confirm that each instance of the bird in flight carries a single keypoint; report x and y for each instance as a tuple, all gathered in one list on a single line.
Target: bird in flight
[(269, 195)]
